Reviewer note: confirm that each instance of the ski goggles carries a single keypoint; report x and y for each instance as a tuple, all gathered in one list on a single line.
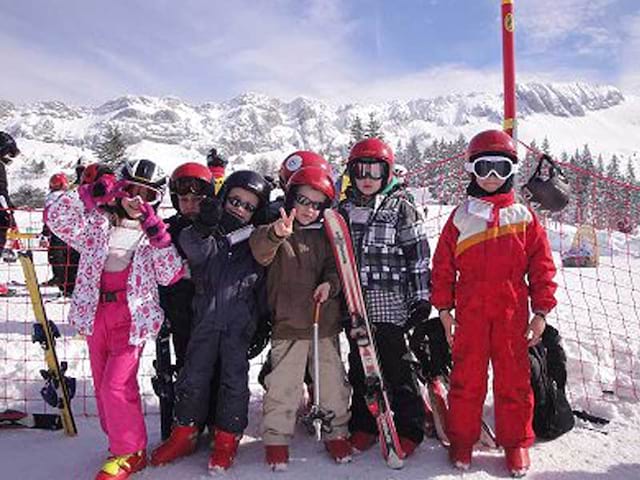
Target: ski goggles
[(369, 168), (239, 203), (482, 167), (307, 202), (136, 189), (186, 185)]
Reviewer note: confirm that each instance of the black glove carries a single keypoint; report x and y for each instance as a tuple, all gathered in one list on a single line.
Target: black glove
[(209, 216), (419, 311), (430, 346)]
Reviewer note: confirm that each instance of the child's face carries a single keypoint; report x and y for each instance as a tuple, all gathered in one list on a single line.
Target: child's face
[(241, 203), (369, 176), (136, 195), (491, 183), (368, 187), (189, 204), (308, 204)]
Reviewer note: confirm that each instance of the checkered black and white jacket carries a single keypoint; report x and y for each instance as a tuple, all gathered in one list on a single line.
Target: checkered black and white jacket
[(390, 242)]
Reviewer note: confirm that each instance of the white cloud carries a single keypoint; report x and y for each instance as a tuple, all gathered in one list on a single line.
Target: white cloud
[(630, 69), (284, 48), (547, 22), (32, 74)]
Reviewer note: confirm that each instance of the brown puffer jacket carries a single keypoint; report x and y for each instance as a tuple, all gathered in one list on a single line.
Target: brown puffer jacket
[(297, 265)]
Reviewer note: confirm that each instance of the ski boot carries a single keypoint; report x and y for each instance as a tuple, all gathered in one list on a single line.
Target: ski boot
[(225, 448), (460, 457), (518, 461), (339, 449), (277, 457), (5, 291), (408, 446), (362, 441), (121, 467), (181, 442)]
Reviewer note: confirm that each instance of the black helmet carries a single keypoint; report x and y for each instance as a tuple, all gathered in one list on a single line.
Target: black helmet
[(147, 174), (252, 182), (8, 148), (215, 160), (551, 193)]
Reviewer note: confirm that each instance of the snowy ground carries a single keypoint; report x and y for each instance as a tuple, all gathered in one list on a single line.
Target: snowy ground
[(581, 454), (598, 316)]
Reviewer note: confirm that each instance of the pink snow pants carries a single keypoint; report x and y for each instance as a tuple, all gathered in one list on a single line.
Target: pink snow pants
[(114, 365)]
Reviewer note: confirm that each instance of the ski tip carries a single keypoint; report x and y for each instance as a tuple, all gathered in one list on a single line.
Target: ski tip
[(394, 461)]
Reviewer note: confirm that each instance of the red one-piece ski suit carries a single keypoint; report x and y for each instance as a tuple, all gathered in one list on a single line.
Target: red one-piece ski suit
[(492, 256)]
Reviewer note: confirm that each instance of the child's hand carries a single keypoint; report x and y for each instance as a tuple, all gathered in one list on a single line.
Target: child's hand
[(322, 292), (283, 227), (535, 330), (449, 324)]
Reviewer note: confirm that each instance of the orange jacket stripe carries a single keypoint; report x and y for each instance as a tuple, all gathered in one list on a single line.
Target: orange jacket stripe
[(490, 234)]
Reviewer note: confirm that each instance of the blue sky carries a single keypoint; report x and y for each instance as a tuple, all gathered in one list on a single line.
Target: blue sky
[(88, 51)]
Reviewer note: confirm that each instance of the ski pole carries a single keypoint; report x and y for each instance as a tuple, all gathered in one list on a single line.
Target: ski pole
[(317, 422)]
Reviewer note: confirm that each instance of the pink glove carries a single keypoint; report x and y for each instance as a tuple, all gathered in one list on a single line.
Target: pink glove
[(154, 227), (100, 192)]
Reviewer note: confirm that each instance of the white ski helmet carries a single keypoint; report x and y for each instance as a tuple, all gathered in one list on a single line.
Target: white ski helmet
[(400, 172)]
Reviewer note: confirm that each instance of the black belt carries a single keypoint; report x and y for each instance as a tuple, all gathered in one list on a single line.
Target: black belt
[(110, 297)]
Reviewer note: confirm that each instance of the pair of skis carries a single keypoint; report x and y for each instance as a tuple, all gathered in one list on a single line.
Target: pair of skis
[(376, 395), (434, 396), (18, 419), (59, 388)]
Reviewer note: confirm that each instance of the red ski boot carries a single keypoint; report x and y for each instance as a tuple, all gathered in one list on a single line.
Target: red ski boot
[(122, 467), (408, 446), (362, 441), (5, 291), (181, 442), (277, 457), (518, 461), (339, 449), (460, 457), (225, 447)]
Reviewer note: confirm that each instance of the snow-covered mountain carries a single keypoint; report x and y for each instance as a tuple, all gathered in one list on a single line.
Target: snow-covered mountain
[(254, 126)]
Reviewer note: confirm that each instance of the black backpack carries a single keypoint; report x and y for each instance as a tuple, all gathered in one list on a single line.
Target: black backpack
[(552, 414)]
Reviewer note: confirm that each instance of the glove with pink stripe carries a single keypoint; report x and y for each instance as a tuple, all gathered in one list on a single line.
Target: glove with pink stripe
[(154, 227)]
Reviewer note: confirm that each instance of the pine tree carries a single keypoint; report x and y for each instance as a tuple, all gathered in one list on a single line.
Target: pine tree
[(357, 130), (111, 150), (528, 164), (546, 146), (399, 154), (613, 168), (412, 155), (374, 127), (634, 195)]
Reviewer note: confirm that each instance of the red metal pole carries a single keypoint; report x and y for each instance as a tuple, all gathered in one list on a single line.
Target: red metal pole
[(509, 68)]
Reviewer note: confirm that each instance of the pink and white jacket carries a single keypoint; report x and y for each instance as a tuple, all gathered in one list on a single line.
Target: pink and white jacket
[(88, 231)]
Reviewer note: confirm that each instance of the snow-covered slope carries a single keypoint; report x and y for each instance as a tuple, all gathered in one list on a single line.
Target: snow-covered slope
[(253, 126)]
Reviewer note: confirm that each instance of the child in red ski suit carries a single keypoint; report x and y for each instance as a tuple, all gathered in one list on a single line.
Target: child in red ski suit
[(125, 252), (492, 257)]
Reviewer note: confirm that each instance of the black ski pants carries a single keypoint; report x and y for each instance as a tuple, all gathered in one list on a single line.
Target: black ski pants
[(399, 381)]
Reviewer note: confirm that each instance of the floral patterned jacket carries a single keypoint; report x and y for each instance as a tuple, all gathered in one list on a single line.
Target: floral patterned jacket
[(88, 231)]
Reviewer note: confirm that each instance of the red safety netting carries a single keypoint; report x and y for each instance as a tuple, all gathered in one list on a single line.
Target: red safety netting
[(596, 247)]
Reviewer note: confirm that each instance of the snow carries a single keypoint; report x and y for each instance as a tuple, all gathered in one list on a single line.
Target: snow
[(597, 316), (577, 455), (252, 127)]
